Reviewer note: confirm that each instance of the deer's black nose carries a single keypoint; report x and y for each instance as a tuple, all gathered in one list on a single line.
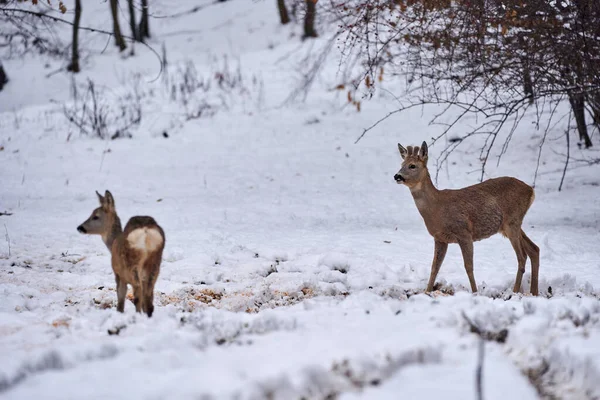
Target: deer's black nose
[(398, 178), (81, 229)]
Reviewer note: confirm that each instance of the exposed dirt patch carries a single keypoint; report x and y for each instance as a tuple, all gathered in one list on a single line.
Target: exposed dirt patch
[(190, 299)]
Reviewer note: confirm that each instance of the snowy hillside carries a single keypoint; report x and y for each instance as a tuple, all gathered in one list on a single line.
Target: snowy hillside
[(294, 265)]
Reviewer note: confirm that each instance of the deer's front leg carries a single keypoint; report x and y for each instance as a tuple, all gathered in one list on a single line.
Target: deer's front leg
[(438, 257), (466, 247), (121, 293)]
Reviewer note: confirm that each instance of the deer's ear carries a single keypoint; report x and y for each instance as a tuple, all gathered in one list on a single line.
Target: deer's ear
[(402, 150), (424, 152), (109, 200), (100, 198)]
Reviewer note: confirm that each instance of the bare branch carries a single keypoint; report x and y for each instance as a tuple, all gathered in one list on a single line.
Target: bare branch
[(41, 15)]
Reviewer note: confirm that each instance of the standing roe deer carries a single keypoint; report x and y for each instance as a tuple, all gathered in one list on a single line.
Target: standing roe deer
[(469, 214), (135, 253)]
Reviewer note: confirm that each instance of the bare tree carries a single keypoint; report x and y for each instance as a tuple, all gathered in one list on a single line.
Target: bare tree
[(119, 40), (593, 100), (21, 31), (144, 31), (578, 106), (74, 65), (132, 24), (494, 61), (284, 17), (309, 19), (3, 77)]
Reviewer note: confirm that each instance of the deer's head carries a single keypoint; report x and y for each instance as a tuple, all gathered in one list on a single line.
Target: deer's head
[(414, 165), (102, 218)]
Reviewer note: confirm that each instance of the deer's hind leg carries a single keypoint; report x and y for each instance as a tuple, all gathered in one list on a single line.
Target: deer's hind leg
[(149, 299), (466, 247), (514, 235), (121, 293), (438, 258), (151, 275), (533, 251), (138, 297)]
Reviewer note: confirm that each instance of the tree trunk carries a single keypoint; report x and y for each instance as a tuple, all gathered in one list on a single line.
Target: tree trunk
[(309, 19), (283, 12), (578, 106), (74, 66), (3, 77), (144, 31), (594, 101), (132, 24), (114, 9)]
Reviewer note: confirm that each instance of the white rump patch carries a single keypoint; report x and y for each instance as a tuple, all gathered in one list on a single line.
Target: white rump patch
[(148, 239)]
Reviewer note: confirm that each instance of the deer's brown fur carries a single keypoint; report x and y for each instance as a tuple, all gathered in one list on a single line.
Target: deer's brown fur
[(136, 252), (470, 214)]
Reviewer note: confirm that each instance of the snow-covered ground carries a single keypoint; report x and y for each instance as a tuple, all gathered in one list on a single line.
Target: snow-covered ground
[(294, 266)]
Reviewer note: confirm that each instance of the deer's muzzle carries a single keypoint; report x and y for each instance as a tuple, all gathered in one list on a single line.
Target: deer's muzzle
[(399, 178), (81, 229)]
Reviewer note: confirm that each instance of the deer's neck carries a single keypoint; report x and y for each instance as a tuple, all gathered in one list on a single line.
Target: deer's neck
[(114, 232), (425, 195)]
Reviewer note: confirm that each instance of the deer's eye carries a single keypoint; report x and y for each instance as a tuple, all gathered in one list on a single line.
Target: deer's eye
[(412, 166), (95, 217)]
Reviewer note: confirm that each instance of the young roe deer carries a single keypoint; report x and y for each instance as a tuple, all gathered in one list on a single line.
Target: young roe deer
[(136, 252), (470, 214)]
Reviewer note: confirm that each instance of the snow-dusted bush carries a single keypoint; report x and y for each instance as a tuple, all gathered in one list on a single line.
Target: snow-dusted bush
[(103, 114), (204, 94)]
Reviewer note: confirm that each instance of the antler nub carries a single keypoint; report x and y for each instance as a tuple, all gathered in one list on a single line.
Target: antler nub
[(413, 151)]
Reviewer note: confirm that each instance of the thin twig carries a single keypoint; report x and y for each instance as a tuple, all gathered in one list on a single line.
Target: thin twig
[(539, 157), (389, 114), (187, 12), (479, 369), (103, 154), (562, 179), (7, 239), (83, 28)]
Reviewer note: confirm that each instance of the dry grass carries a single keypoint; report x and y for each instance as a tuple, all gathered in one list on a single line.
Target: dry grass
[(61, 322)]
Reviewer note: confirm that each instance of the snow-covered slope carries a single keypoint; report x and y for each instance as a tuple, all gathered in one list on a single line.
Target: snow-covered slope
[(294, 265)]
